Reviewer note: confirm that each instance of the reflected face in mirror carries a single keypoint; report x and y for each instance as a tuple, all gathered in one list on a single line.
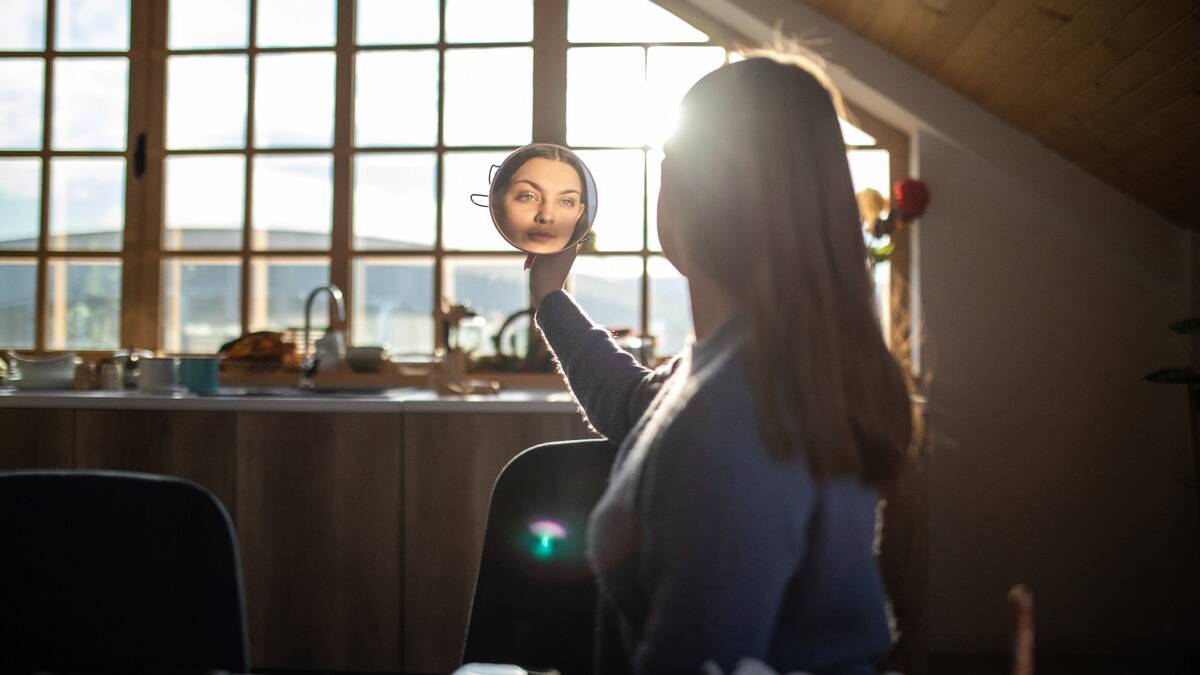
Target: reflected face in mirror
[(542, 205), (542, 199)]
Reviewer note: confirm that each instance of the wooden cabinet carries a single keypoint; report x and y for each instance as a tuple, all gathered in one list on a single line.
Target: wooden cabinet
[(360, 533), (450, 463), (197, 446), (37, 439), (318, 515)]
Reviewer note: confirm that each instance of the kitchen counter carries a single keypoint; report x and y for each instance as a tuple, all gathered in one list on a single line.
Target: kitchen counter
[(401, 400)]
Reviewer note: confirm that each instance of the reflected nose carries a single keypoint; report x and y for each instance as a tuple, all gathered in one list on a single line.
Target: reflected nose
[(544, 216)]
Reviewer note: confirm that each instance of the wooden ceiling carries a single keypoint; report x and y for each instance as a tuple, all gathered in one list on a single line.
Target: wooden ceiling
[(1112, 85)]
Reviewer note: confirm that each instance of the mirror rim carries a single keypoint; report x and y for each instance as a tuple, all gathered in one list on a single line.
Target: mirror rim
[(591, 203)]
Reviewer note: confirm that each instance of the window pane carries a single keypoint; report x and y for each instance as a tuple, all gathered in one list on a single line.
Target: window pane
[(395, 203), (24, 25), (609, 288), (670, 306), (90, 103), (18, 293), (493, 287), (489, 96), (670, 73), (626, 21), (83, 304), (387, 22), (20, 202), (205, 202), (654, 160), (396, 98), (92, 25), (201, 304), (208, 24), (21, 82), (278, 289), (870, 169), (489, 20), (466, 226), (87, 203), (293, 202), (606, 96), (297, 23), (620, 190), (393, 304), (206, 101), (293, 100)]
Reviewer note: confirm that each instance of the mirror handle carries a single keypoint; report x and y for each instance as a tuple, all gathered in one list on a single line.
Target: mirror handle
[(529, 261), (480, 196)]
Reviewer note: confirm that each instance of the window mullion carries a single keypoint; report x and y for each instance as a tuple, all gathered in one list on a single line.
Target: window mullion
[(343, 157), (140, 278), (550, 71), (43, 278)]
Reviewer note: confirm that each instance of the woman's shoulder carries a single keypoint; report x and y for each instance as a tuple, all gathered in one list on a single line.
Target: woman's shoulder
[(713, 433)]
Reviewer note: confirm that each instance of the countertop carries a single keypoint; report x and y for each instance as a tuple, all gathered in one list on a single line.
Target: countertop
[(401, 400)]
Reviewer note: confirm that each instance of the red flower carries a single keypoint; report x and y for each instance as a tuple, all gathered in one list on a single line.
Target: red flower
[(909, 198)]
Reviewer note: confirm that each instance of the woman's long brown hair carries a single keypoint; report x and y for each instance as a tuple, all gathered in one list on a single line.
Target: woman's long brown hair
[(758, 177)]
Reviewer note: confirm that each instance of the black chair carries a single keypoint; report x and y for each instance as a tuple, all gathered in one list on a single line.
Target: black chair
[(535, 597), (117, 572)]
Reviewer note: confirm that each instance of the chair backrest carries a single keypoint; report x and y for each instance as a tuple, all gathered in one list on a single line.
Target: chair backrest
[(117, 572), (535, 597)]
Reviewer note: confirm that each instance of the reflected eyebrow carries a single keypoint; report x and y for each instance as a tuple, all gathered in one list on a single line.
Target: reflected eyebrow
[(539, 187)]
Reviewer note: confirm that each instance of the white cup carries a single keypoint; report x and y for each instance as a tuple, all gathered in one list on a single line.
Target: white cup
[(158, 375)]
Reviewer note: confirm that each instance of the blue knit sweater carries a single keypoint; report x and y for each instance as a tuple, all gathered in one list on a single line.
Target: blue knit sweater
[(705, 547)]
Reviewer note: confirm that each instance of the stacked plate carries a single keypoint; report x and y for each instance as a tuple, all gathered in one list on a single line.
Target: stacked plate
[(46, 372)]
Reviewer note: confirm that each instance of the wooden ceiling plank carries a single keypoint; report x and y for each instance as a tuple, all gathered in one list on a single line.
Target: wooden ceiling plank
[(1155, 94), (1116, 123), (1146, 23), (1161, 124), (1012, 99), (949, 33), (983, 37), (920, 23), (1170, 48), (888, 19), (1155, 164), (1037, 26)]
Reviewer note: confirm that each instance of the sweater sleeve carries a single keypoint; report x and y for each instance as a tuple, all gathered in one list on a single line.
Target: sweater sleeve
[(724, 532), (612, 388)]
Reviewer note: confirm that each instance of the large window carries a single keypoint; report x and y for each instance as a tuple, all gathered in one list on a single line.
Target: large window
[(174, 173)]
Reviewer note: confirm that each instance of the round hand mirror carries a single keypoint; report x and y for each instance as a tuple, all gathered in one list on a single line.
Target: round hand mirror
[(542, 199)]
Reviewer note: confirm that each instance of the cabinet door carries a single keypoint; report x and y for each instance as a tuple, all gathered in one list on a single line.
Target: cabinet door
[(450, 464), (318, 513), (36, 438), (198, 446)]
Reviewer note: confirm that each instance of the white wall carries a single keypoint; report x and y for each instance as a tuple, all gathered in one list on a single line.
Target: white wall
[(1045, 296)]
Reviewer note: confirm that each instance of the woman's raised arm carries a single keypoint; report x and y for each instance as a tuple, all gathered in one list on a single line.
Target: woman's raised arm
[(610, 385)]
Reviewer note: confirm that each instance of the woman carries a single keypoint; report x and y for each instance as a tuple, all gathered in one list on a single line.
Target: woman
[(543, 195), (739, 520)]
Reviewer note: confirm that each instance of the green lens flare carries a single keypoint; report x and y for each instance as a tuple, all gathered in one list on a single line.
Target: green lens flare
[(546, 536)]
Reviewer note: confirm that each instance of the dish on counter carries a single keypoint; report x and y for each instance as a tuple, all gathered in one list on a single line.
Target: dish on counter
[(42, 372)]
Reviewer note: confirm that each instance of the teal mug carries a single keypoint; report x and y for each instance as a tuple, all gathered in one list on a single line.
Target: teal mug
[(200, 374)]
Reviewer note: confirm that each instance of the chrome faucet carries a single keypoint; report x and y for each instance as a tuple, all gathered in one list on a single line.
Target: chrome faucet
[(334, 332)]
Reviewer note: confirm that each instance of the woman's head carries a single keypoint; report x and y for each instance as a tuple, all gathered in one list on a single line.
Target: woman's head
[(756, 198), (539, 198)]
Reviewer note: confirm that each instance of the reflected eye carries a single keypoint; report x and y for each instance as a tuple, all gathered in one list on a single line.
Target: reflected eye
[(567, 202), (526, 197)]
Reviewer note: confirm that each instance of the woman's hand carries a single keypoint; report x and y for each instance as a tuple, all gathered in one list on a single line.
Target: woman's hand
[(549, 273)]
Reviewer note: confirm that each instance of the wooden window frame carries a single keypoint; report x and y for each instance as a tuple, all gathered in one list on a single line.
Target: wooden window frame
[(142, 255)]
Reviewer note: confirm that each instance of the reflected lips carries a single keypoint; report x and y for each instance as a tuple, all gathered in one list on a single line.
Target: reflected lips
[(540, 236)]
